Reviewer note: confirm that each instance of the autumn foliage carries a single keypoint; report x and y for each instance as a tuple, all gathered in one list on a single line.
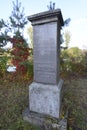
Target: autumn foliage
[(20, 53)]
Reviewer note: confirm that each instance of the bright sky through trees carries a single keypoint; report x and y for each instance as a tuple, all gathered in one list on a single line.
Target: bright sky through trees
[(75, 9)]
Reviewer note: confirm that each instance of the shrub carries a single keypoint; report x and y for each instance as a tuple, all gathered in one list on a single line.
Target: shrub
[(73, 60), (3, 62)]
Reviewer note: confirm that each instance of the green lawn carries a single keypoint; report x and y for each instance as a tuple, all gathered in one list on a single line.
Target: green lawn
[(14, 100)]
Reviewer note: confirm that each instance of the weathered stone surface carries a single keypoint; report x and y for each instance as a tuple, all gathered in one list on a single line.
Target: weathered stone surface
[(45, 99), (45, 123), (46, 38), (47, 16), (46, 69)]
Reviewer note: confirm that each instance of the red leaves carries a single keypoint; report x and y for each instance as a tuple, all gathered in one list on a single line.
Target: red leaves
[(20, 53)]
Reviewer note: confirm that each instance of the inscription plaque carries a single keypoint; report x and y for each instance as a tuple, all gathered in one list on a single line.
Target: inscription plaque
[(45, 53)]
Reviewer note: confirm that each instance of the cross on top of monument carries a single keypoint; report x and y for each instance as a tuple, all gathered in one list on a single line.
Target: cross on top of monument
[(51, 6)]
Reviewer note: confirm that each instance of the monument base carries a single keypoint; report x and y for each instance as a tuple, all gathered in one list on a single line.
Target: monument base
[(45, 106), (44, 122), (45, 98)]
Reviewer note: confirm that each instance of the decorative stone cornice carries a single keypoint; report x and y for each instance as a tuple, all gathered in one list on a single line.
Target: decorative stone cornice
[(47, 16)]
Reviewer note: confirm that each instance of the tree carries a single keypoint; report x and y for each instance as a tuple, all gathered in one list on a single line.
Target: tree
[(3, 33), (30, 32), (3, 53), (13, 32), (20, 47), (67, 37), (17, 19), (75, 53)]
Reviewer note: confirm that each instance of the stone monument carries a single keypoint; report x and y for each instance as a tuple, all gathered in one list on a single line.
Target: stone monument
[(45, 90)]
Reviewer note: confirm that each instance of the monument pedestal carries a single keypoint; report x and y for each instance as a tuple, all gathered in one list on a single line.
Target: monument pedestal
[(44, 122), (45, 98), (44, 106)]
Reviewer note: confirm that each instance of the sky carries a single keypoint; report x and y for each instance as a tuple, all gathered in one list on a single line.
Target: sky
[(76, 10)]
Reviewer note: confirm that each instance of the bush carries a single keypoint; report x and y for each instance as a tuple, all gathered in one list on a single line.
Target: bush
[(73, 60), (3, 62)]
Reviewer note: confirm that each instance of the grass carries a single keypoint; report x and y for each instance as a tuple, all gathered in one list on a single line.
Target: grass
[(75, 101), (14, 99)]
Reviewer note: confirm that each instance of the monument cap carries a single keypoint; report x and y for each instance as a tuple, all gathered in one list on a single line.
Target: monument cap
[(47, 14)]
